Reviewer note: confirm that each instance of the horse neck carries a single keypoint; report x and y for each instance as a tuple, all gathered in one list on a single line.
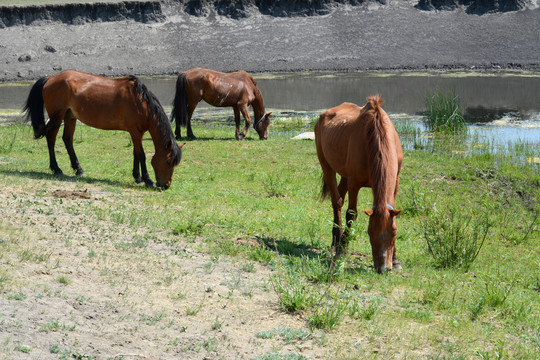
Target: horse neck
[(258, 105), (158, 133)]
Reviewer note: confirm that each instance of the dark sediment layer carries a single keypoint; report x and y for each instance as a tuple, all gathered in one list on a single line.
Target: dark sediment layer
[(478, 7), (81, 13), (151, 11)]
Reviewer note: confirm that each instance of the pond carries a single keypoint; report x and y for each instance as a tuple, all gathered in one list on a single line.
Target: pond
[(502, 105)]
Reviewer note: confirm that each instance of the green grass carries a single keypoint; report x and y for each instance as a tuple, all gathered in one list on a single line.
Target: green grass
[(258, 201)]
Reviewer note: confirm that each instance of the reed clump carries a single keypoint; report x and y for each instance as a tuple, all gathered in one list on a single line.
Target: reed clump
[(444, 113)]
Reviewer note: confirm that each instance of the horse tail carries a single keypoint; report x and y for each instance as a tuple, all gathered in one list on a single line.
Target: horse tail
[(324, 189), (34, 108), (180, 102)]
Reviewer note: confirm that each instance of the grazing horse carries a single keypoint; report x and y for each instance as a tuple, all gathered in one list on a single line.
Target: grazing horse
[(237, 90), (362, 145), (107, 104)]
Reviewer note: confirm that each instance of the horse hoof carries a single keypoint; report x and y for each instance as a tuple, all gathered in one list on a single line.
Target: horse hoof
[(79, 172), (149, 183), (58, 172)]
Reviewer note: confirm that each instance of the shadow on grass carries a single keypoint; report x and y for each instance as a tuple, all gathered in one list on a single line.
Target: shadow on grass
[(355, 262), (39, 175)]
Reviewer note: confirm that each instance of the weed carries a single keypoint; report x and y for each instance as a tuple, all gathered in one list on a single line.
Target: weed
[(274, 185), (455, 238), (64, 280), (23, 348), (217, 324), (327, 317), (17, 296)]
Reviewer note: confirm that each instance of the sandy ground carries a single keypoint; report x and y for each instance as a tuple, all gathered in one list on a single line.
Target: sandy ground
[(394, 36)]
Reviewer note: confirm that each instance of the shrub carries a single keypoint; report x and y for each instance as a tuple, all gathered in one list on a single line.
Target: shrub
[(454, 238)]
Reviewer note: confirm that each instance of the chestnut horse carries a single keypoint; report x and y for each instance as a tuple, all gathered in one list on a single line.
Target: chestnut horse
[(108, 104), (362, 145), (237, 90)]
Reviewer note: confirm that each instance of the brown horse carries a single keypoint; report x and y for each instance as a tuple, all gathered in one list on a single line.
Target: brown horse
[(108, 104), (362, 145), (237, 90)]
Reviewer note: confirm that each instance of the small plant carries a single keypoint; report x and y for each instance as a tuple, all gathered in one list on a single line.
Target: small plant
[(54, 349), (274, 185), (17, 296), (192, 226), (454, 238), (217, 324), (294, 295), (327, 317), (444, 113), (23, 348), (64, 280)]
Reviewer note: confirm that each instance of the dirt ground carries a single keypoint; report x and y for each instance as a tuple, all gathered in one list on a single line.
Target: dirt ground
[(79, 287), (349, 38)]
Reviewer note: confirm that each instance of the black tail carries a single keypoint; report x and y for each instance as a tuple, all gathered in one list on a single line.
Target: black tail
[(180, 103), (34, 108)]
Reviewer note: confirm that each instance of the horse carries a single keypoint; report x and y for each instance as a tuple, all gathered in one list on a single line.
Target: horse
[(237, 90), (108, 104), (362, 145)]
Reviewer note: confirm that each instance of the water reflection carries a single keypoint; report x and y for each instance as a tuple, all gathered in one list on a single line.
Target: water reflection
[(508, 105)]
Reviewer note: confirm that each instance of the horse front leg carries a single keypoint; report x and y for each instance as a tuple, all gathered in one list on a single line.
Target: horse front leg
[(237, 134), (69, 130), (352, 213), (139, 160), (244, 110)]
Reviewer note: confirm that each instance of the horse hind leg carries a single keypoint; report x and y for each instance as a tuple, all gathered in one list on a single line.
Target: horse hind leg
[(50, 133), (69, 129), (191, 109)]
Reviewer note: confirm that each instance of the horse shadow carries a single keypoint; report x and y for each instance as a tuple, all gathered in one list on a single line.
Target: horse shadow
[(41, 175), (286, 247)]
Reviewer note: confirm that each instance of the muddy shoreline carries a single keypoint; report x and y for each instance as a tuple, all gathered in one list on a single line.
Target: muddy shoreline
[(256, 36)]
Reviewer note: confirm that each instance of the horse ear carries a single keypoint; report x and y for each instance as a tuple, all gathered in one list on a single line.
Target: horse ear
[(181, 145), (368, 212), (395, 212), (268, 114)]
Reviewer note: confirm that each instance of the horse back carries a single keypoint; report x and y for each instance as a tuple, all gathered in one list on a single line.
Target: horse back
[(220, 89), (105, 103)]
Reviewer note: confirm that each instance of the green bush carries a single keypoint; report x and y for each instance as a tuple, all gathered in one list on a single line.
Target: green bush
[(454, 237)]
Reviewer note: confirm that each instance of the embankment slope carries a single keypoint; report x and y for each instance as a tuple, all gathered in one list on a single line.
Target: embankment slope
[(157, 38)]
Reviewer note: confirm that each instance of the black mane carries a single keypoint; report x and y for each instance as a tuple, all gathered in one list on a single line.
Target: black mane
[(159, 115)]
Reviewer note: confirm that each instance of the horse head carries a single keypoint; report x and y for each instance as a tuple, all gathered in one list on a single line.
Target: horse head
[(382, 230), (261, 126), (164, 162)]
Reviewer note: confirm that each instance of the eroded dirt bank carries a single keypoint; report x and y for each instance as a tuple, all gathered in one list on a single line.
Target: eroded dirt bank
[(257, 36)]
